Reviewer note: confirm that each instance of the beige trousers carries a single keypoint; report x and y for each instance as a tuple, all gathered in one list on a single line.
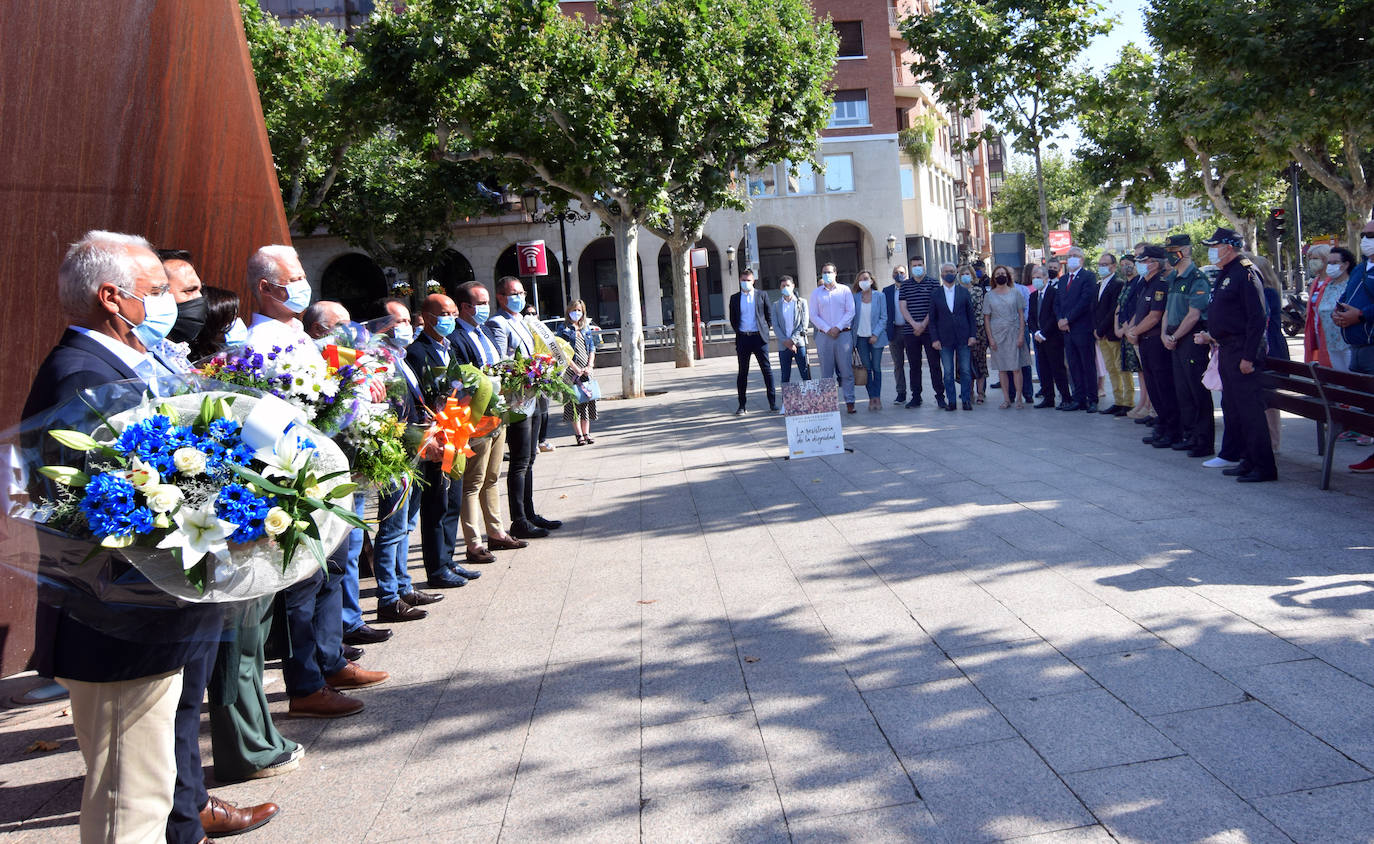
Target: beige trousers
[(126, 733), (1123, 384), (481, 497)]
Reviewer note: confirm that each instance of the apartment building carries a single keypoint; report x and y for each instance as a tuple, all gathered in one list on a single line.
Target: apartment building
[(1129, 225), (890, 180)]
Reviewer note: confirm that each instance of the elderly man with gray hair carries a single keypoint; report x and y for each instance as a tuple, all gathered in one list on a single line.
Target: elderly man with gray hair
[(1074, 310)]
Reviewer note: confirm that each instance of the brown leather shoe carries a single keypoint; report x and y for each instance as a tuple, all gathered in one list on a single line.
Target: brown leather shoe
[(416, 598), (511, 544), (223, 819), (480, 555), (354, 676), (326, 703), (399, 611)]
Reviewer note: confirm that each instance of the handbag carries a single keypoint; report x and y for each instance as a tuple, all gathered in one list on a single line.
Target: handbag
[(1211, 378), (587, 390), (860, 373)]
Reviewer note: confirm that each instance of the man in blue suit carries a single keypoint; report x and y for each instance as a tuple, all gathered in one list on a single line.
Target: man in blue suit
[(1355, 315), (953, 333), (1074, 309)]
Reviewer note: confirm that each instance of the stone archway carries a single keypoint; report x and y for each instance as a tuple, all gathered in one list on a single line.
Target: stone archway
[(842, 243), (547, 289), (709, 283), (777, 257), (356, 282), (452, 271), (596, 282)]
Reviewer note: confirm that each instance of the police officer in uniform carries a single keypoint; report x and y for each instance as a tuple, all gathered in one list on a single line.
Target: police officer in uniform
[(1185, 313), (1154, 358), (1236, 322)]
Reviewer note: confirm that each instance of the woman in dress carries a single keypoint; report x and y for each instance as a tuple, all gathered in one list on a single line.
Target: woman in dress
[(1004, 322), (1125, 311), (978, 353), (577, 331)]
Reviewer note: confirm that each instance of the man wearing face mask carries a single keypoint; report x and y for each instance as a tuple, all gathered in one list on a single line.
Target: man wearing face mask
[(1146, 332), (895, 344), (187, 291), (790, 330), (1236, 322), (914, 315), (1104, 330), (1354, 315), (952, 329), (1049, 340), (832, 312), (1074, 312), (1185, 313), (751, 319)]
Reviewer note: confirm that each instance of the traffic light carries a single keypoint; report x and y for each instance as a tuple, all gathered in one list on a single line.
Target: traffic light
[(1278, 223)]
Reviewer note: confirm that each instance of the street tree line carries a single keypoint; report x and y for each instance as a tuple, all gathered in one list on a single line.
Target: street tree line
[(644, 116)]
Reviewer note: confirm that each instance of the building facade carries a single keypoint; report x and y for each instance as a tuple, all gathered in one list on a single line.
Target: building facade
[(868, 200), (1129, 225)]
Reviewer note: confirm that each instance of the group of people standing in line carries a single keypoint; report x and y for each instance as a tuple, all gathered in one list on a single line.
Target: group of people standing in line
[(142, 316), (1154, 313)]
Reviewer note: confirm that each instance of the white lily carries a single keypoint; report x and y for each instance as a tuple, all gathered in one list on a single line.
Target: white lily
[(142, 475), (199, 532), (286, 459)]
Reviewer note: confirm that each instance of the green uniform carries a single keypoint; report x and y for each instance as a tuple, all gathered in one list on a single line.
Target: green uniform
[(1187, 290)]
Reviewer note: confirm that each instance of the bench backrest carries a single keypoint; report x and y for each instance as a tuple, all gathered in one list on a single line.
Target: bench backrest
[(1293, 388), (1349, 397)]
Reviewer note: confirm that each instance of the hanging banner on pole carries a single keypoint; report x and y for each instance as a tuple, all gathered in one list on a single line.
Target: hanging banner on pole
[(812, 410), (1060, 241), (751, 247), (531, 257)]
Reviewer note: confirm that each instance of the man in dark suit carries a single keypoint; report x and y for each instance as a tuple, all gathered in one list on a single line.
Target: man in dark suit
[(1049, 340), (126, 688), (953, 333), (1104, 330), (752, 320), (441, 498), (1074, 312)]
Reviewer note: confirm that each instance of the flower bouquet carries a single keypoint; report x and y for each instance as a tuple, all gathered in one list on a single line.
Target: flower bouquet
[(209, 495), (525, 379), (472, 410)]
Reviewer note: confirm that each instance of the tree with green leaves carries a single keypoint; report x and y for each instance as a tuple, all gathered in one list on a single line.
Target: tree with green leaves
[(608, 114), (1292, 78), (1067, 195), (1010, 58)]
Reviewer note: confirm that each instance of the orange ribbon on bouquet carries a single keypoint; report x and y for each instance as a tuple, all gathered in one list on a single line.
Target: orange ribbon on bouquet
[(453, 428)]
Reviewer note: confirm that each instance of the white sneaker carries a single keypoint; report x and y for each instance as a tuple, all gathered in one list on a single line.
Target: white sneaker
[(546, 446), (1220, 463)]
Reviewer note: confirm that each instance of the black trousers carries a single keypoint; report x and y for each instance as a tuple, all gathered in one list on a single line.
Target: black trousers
[(189, 795), (915, 347), (1080, 347), (1242, 409), (1158, 365), (523, 447), (1050, 369), (1197, 422), (441, 504), (752, 345)]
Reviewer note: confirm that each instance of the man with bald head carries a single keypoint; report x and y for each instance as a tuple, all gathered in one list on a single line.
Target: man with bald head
[(321, 318), (441, 498)]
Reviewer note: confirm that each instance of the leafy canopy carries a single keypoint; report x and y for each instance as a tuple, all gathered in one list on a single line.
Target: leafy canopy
[(1069, 193)]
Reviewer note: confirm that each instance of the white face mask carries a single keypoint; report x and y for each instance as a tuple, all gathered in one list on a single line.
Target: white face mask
[(1333, 270), (1038, 283), (237, 334), (403, 333), (746, 286), (918, 271), (787, 292), (575, 316), (1213, 255), (1367, 246), (865, 284), (1075, 262), (298, 295), (1104, 269)]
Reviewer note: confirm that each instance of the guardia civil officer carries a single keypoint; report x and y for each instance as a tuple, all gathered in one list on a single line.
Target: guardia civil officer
[(1185, 313), (1236, 323), (1146, 332)]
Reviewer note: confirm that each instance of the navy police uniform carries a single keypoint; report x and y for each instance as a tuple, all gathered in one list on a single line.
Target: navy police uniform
[(1157, 367)]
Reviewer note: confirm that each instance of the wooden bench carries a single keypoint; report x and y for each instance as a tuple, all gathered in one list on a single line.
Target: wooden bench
[(1291, 386), (1349, 400)]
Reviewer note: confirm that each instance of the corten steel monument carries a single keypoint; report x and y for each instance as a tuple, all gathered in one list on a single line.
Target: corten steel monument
[(137, 116)]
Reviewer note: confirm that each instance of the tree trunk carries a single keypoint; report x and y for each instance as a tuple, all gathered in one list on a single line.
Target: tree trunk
[(1357, 194), (684, 328), (1044, 206), (631, 323)]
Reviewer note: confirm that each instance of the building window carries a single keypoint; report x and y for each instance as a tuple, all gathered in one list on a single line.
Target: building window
[(805, 180), (764, 183), (1169, 206), (839, 173), (851, 108), (908, 183), (851, 35)]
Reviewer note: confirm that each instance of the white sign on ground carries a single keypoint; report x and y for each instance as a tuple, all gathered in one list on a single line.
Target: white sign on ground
[(812, 409)]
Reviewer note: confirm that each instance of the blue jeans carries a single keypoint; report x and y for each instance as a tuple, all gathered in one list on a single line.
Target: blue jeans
[(871, 356), (785, 358), (315, 629), (352, 610), (391, 549), (965, 369)]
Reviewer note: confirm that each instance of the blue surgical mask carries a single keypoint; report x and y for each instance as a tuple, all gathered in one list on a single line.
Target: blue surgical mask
[(575, 316), (787, 291), (298, 295), (965, 279), (444, 325), (1075, 262), (159, 315), (918, 271), (1213, 255), (746, 286), (481, 313), (828, 278), (237, 335), (948, 277), (403, 333), (515, 303)]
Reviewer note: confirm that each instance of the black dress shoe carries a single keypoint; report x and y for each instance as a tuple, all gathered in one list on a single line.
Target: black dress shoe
[(899, 400), (739, 411), (916, 402), (949, 407), (1164, 442), (1182, 445), (1122, 411), (353, 654), (772, 408), (400, 611), (525, 530), (555, 524), (417, 598), (1200, 451), (939, 400), (968, 405), (1044, 403), (1092, 407), (446, 580), (1236, 471), (365, 635), (466, 574), (1256, 477), (1067, 405)]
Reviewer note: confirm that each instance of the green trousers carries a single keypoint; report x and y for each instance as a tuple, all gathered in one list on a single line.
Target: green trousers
[(242, 735)]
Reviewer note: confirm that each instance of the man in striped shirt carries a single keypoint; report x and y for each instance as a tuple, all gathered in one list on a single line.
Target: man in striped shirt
[(913, 320)]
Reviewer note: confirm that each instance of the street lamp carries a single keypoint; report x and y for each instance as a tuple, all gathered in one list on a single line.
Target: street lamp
[(891, 244), (730, 257), (529, 201)]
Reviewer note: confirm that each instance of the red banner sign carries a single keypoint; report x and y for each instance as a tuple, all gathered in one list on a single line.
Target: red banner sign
[(529, 255), (1060, 241)]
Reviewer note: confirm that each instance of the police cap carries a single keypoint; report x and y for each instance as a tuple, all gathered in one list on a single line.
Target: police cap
[(1224, 236)]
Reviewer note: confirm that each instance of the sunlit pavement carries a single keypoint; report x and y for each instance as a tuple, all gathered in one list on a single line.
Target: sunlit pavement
[(977, 626)]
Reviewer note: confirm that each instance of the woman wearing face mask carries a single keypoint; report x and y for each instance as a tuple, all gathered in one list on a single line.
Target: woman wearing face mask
[(577, 331), (223, 328), (1320, 339), (1005, 327), (870, 330), (1130, 355), (978, 353)]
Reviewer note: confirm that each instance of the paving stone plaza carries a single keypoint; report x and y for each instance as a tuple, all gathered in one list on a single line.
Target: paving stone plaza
[(977, 626)]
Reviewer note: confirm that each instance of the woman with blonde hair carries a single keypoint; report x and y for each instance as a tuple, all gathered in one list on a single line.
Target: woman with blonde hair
[(577, 331), (870, 334)]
